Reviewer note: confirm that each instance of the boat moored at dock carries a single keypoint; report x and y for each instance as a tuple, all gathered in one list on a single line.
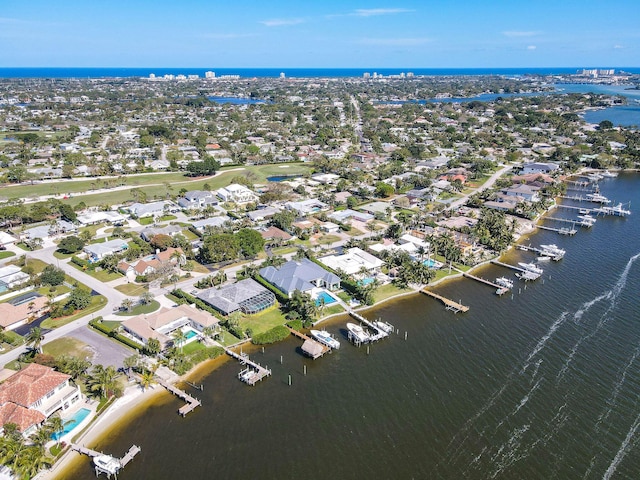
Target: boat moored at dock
[(531, 267), (553, 251), (357, 334), (325, 338)]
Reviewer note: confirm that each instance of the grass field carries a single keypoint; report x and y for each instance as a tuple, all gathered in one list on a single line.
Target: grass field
[(388, 290), (140, 309), (327, 239), (132, 289), (68, 346), (153, 185), (97, 302), (263, 321), (6, 254)]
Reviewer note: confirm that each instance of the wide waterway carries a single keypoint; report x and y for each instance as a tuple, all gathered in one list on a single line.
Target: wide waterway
[(542, 385)]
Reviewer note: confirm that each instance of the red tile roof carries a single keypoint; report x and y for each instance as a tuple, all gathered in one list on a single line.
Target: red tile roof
[(31, 384), (23, 417)]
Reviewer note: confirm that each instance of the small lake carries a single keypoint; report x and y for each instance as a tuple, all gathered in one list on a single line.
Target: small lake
[(282, 178)]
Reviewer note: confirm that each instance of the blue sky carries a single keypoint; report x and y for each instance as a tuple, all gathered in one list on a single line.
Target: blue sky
[(328, 33)]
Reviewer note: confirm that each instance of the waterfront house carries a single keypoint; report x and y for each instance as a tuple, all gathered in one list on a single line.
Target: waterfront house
[(35, 393), (302, 275), (246, 296), (353, 261), (162, 324), (526, 192)]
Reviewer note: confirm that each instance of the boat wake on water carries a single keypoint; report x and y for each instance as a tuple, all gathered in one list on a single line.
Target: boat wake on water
[(505, 429)]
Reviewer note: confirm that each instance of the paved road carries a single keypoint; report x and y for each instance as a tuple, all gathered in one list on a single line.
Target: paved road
[(105, 350), (488, 184)]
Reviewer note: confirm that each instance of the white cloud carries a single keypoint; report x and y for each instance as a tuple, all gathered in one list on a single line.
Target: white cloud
[(395, 42), (531, 47), (618, 47), (516, 33), (374, 12), (281, 22)]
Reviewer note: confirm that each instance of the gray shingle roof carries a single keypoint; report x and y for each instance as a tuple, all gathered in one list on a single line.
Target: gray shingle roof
[(298, 275)]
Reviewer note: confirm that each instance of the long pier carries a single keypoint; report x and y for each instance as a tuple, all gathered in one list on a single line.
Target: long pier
[(561, 231), (523, 273), (507, 265), (192, 402), (119, 463), (500, 290), (455, 307), (254, 371), (310, 347)]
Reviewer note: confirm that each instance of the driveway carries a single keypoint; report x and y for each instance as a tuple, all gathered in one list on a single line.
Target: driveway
[(105, 351)]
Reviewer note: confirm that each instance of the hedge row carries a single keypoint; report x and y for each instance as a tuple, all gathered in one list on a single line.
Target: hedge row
[(280, 296), (97, 324), (274, 335), (79, 261)]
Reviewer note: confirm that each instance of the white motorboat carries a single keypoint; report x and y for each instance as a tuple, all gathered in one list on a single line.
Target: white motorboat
[(324, 337), (504, 282), (107, 463), (597, 197), (384, 326), (552, 250), (358, 333), (608, 174), (531, 267)]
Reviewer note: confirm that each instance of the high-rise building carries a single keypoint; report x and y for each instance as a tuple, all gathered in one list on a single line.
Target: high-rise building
[(209, 74)]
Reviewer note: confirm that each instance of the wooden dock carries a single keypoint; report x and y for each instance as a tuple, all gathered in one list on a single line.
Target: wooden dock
[(379, 335), (507, 265), (254, 371), (455, 307), (561, 231), (500, 290), (120, 462), (310, 347), (192, 402)]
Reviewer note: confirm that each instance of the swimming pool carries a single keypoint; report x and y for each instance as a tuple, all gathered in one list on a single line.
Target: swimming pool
[(324, 297), (365, 281), (71, 423), (190, 334), (430, 263)]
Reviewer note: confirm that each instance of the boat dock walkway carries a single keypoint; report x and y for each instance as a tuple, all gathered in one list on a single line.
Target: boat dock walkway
[(254, 371), (582, 223), (561, 231), (122, 462), (379, 335), (577, 198), (500, 290), (192, 403), (523, 273), (310, 347), (455, 307)]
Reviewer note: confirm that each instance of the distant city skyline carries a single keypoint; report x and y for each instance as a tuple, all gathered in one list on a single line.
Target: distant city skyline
[(328, 34)]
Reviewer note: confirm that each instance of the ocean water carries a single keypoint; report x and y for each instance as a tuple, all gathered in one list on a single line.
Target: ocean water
[(539, 385), (102, 72)]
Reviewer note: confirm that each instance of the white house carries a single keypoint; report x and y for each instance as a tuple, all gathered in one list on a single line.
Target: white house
[(539, 167), (353, 261), (98, 251), (237, 194)]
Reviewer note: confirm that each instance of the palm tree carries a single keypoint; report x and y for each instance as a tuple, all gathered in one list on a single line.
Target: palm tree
[(179, 337), (152, 347), (131, 363), (147, 378), (126, 305), (146, 298), (102, 380), (34, 338), (55, 424)]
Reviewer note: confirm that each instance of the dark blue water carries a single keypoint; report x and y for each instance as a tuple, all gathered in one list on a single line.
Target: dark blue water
[(544, 385), (282, 178), (102, 72)]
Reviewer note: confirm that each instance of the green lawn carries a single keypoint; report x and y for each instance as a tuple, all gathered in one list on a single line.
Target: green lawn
[(263, 321), (167, 218), (192, 347), (111, 324), (146, 220), (189, 235), (57, 290), (140, 309), (327, 239), (354, 232), (344, 296), (62, 256), (132, 289), (199, 268), (92, 229), (6, 254), (37, 265), (284, 250), (388, 290), (102, 275), (226, 338), (68, 346), (331, 310), (97, 302)]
